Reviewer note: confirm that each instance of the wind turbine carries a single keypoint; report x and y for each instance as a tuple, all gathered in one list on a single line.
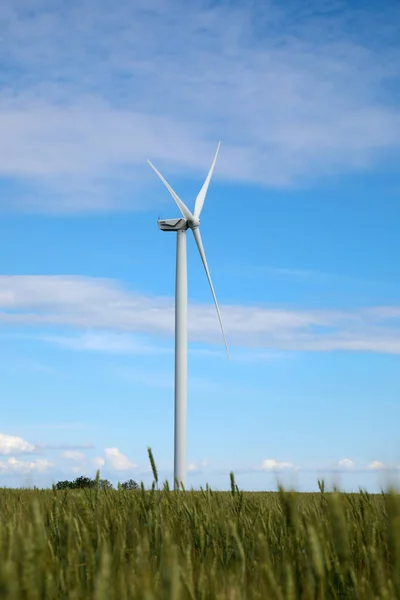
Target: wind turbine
[(180, 226)]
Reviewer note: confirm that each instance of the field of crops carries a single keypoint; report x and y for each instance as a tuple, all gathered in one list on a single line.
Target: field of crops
[(118, 544)]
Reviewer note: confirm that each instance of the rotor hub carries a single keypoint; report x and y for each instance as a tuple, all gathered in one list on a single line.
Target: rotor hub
[(193, 223)]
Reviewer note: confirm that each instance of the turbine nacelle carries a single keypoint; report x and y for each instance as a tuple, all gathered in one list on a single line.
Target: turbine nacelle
[(178, 224), (172, 224)]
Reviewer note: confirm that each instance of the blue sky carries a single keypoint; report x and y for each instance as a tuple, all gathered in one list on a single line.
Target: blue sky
[(300, 227)]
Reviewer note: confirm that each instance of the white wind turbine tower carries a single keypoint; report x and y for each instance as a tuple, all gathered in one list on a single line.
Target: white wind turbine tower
[(180, 226)]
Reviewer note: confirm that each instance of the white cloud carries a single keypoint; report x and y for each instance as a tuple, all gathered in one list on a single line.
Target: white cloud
[(11, 444), (345, 464), (98, 462), (271, 464), (194, 467), (376, 465), (77, 469), (293, 94), (73, 455), (114, 460), (13, 465), (102, 304), (117, 461)]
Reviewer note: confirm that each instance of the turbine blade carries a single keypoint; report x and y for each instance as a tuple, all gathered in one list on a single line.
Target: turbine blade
[(197, 237), (201, 196), (181, 205)]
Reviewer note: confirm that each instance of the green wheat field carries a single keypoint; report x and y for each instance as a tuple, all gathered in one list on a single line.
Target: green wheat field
[(107, 544)]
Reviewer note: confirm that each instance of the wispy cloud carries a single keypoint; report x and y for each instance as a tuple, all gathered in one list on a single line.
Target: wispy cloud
[(109, 342), (66, 447), (89, 94), (349, 466), (123, 343), (73, 455), (345, 465), (98, 462), (112, 343), (242, 355), (306, 276), (62, 425), (99, 304), (13, 444), (194, 468)]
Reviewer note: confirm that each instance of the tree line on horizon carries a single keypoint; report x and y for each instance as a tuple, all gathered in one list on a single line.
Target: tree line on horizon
[(86, 482)]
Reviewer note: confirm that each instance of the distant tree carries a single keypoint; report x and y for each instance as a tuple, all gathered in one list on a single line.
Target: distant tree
[(104, 484), (130, 485), (84, 482), (64, 485)]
